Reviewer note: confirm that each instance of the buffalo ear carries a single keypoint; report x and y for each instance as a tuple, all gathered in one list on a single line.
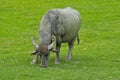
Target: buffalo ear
[(53, 50), (33, 53)]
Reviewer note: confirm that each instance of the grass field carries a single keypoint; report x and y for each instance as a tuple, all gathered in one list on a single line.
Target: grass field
[(96, 58)]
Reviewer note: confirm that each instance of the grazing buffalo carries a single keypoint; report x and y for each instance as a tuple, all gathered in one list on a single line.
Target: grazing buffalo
[(57, 26)]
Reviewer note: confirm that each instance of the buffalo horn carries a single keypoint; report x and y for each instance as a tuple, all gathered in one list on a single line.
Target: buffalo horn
[(34, 44), (53, 42)]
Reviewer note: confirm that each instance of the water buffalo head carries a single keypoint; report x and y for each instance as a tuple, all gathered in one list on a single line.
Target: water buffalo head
[(44, 50)]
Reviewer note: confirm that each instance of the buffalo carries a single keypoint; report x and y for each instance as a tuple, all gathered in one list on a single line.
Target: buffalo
[(57, 26)]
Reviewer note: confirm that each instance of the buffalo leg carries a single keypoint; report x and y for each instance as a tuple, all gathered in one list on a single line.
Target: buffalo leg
[(58, 45), (70, 44), (35, 60)]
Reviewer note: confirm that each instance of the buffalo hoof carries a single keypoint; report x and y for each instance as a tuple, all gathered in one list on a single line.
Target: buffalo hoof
[(34, 62), (57, 62), (68, 58), (43, 66)]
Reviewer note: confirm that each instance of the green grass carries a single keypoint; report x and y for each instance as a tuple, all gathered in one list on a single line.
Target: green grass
[(96, 58)]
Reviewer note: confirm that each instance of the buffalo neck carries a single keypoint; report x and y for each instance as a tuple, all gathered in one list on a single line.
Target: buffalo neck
[(45, 35)]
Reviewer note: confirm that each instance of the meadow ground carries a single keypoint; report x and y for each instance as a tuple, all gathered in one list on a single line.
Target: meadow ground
[(96, 58)]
